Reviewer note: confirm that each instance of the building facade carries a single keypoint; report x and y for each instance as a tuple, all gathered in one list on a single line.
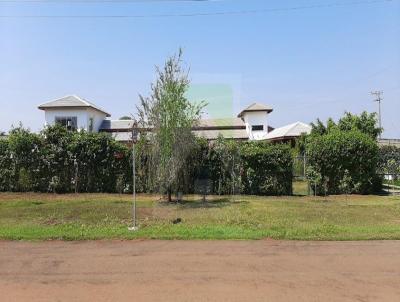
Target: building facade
[(252, 123)]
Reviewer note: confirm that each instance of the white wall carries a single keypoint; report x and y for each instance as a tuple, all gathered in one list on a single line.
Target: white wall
[(98, 118), (256, 118), (83, 116)]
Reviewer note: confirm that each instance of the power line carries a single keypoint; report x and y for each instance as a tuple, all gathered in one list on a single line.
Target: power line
[(239, 12)]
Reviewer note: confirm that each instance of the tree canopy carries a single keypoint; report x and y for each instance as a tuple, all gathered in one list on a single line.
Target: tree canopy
[(365, 123)]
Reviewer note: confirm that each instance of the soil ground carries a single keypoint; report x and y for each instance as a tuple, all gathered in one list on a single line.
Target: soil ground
[(152, 270)]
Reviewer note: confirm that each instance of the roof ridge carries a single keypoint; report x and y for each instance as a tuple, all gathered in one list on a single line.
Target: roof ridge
[(292, 126), (255, 106), (82, 100)]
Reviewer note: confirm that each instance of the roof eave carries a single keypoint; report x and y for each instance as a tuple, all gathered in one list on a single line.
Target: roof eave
[(44, 107), (255, 110)]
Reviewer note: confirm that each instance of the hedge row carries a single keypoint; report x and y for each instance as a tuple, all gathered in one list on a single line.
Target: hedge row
[(57, 160)]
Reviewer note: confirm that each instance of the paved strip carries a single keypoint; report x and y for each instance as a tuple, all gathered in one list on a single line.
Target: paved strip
[(265, 270)]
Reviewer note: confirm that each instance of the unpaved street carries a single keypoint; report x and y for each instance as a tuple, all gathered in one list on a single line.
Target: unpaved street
[(176, 271)]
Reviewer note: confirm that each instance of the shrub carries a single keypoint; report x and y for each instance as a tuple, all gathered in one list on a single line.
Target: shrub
[(5, 165), (25, 160), (60, 161), (389, 160), (223, 166), (334, 153), (267, 168)]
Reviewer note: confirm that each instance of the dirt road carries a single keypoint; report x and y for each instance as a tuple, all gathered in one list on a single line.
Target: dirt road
[(200, 271)]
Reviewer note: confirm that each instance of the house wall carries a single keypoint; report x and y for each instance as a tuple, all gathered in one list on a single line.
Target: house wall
[(98, 118), (83, 116), (256, 118)]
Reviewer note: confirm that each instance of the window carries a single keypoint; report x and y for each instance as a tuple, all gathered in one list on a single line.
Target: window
[(91, 124), (70, 122), (257, 128)]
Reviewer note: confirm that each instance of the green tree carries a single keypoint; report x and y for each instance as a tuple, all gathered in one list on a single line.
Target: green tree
[(334, 153), (171, 117), (365, 122)]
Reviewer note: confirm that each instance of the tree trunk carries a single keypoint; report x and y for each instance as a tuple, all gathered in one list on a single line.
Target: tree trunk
[(169, 194)]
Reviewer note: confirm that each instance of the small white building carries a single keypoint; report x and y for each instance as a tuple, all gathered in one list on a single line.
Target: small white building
[(76, 113), (255, 118)]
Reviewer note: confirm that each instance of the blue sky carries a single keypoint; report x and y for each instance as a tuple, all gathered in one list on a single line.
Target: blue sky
[(305, 62)]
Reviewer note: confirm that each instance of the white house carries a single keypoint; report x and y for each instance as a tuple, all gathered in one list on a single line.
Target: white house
[(76, 113), (255, 118)]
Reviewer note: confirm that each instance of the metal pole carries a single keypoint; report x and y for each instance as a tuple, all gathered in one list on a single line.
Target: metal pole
[(380, 117), (134, 227), (76, 175), (134, 184)]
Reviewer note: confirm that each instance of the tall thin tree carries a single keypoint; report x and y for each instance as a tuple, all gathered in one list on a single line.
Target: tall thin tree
[(169, 116)]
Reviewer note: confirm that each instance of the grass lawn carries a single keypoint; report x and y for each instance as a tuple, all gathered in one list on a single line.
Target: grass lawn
[(34, 216)]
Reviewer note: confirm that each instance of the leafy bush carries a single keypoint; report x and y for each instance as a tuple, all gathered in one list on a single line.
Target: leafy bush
[(5, 165), (267, 168), (338, 155), (223, 166), (389, 160), (57, 160), (232, 167)]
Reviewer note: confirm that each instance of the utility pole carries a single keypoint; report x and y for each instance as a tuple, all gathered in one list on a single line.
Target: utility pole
[(378, 98)]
